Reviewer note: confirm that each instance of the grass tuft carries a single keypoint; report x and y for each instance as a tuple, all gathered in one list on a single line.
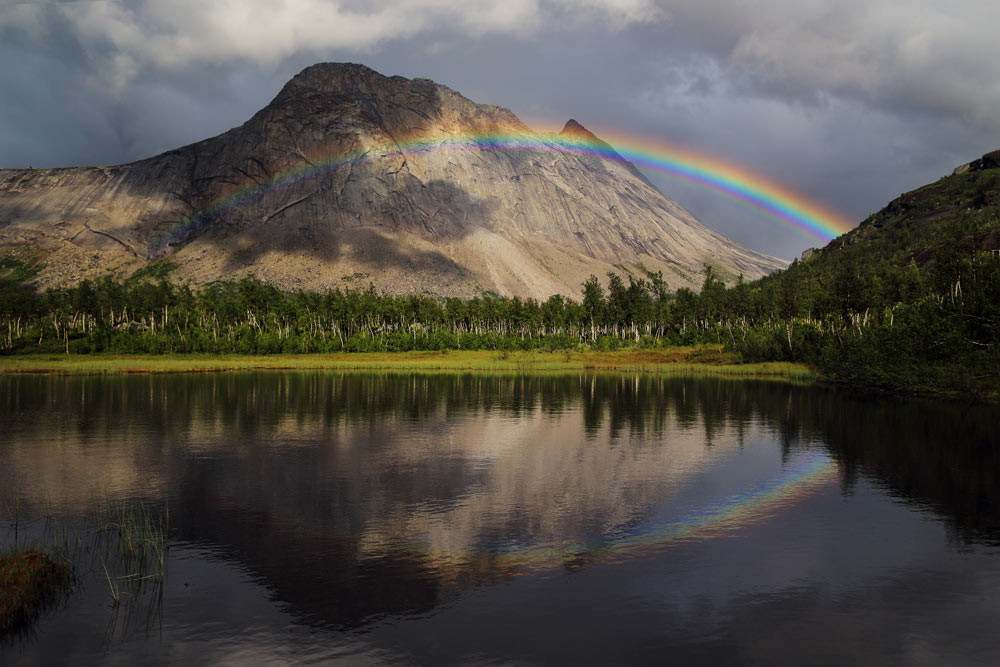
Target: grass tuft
[(136, 544), (28, 581)]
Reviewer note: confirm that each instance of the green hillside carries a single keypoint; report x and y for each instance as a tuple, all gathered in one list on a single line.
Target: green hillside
[(958, 209), (908, 299)]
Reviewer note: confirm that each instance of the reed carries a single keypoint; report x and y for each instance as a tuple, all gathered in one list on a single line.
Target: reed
[(124, 542), (116, 593), (13, 508), (136, 543)]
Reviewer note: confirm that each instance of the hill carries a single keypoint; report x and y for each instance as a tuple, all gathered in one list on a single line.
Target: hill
[(908, 300), (917, 224), (924, 239)]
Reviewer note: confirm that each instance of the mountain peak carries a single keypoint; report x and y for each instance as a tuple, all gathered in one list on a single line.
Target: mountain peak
[(396, 103), (577, 131), (338, 78), (574, 129)]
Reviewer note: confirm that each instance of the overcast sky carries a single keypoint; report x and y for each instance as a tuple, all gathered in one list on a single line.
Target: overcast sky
[(849, 102)]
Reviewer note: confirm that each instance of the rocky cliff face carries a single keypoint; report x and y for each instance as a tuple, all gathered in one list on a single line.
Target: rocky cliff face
[(325, 187)]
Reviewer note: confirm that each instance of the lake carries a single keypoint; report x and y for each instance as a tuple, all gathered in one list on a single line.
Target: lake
[(507, 519)]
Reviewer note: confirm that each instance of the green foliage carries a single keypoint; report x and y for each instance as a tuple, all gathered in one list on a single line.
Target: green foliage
[(14, 269), (910, 300), (156, 270)]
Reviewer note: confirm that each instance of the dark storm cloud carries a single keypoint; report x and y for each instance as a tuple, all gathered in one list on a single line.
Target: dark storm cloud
[(850, 103)]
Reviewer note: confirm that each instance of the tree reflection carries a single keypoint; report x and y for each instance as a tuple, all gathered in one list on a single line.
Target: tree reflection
[(360, 494)]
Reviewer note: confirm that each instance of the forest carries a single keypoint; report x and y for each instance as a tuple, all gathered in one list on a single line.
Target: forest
[(892, 305)]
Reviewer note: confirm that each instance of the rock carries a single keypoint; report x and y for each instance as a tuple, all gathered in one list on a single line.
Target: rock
[(988, 161), (276, 197)]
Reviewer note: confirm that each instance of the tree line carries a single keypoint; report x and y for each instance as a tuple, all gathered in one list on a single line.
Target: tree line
[(861, 313)]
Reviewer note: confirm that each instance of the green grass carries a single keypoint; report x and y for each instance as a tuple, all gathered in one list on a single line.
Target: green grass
[(710, 361), (135, 543), (20, 264)]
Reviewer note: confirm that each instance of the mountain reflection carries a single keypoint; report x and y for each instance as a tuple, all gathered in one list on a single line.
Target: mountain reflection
[(357, 495)]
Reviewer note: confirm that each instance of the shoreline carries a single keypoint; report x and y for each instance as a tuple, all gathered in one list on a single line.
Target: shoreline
[(694, 361)]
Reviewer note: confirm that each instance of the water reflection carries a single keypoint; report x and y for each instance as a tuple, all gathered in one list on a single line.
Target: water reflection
[(354, 496), (944, 456)]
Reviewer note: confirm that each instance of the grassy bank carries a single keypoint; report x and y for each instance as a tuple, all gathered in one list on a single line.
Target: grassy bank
[(701, 360)]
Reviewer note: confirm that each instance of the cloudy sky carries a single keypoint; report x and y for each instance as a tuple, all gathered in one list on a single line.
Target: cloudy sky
[(849, 102)]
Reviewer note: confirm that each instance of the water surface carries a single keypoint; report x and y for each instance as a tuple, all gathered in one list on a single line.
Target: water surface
[(473, 519)]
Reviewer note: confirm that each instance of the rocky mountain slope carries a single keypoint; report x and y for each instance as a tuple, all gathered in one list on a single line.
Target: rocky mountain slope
[(325, 187)]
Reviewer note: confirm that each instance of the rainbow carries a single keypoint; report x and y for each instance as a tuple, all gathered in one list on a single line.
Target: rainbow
[(800, 478), (734, 182), (727, 179)]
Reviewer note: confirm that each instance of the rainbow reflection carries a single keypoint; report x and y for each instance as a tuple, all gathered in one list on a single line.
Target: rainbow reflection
[(798, 480)]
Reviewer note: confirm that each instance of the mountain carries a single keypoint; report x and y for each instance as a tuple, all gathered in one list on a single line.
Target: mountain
[(350, 177)]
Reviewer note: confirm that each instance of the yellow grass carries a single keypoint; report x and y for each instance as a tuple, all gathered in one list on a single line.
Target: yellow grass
[(701, 360)]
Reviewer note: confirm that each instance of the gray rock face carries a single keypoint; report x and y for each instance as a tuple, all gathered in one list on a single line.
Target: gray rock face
[(326, 186)]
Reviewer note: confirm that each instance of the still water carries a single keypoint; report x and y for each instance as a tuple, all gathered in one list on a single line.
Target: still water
[(472, 519)]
